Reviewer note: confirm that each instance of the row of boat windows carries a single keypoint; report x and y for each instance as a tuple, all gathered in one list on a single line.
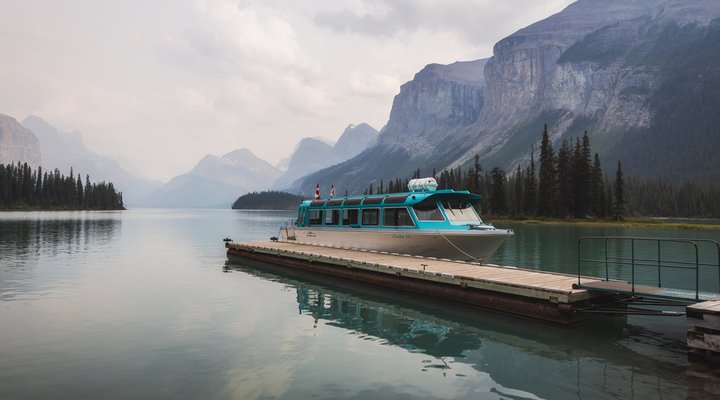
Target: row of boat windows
[(368, 217), (354, 201), (391, 216)]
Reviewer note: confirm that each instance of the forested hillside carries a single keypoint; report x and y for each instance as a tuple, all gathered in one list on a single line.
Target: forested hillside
[(272, 200), (571, 183), (21, 187)]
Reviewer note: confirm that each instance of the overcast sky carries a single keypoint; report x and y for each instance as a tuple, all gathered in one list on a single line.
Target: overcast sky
[(161, 83)]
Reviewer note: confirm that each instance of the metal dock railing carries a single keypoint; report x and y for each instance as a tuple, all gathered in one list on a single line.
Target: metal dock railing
[(670, 269)]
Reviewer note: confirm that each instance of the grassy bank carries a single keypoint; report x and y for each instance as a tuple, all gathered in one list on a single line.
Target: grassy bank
[(625, 223)]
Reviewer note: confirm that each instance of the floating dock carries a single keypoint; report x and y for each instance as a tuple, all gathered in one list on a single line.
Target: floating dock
[(529, 293), (703, 337)]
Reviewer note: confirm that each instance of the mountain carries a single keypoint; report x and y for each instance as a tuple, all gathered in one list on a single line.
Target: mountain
[(63, 150), (312, 154), (600, 66), (283, 164), (192, 191), (643, 77), (309, 156), (17, 143), (354, 140), (440, 102), (215, 182)]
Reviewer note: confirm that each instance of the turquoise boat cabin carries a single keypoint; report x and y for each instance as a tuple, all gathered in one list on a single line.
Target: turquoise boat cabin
[(440, 209)]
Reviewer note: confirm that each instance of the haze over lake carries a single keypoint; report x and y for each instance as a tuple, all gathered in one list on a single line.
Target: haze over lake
[(145, 304)]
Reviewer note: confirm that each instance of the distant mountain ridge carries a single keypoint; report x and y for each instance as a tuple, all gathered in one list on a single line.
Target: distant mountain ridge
[(311, 154), (642, 77), (218, 181), (214, 182), (63, 150)]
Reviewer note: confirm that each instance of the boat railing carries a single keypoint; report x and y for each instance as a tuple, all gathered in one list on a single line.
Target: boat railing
[(652, 267)]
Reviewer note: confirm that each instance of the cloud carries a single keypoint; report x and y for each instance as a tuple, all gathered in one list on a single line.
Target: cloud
[(473, 20), (373, 84), (162, 84), (256, 49)]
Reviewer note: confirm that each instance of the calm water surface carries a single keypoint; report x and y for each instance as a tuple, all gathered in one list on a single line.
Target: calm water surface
[(144, 304)]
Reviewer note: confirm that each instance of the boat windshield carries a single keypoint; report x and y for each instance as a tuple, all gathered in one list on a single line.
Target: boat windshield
[(461, 211), (427, 210)]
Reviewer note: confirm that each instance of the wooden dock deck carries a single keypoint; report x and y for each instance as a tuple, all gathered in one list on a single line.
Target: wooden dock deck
[(530, 293)]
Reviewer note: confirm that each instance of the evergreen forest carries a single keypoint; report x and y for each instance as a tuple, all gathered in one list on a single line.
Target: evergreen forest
[(24, 188), (572, 184), (270, 200)]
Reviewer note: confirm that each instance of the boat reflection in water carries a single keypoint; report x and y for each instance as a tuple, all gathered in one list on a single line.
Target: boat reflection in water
[(604, 357)]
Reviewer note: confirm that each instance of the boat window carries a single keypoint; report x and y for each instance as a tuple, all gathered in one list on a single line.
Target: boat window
[(371, 216), (317, 203), (460, 211), (332, 217), (316, 217), (395, 199), (373, 200), (397, 217), (334, 202), (350, 216), (427, 210), (352, 202)]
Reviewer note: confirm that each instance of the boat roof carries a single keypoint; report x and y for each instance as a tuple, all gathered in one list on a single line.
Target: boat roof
[(397, 199)]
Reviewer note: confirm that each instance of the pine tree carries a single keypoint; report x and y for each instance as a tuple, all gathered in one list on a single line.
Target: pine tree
[(470, 181), (478, 173), (597, 189), (497, 196), (530, 195), (518, 192), (80, 194), (565, 190), (582, 178), (609, 205), (619, 203), (547, 185)]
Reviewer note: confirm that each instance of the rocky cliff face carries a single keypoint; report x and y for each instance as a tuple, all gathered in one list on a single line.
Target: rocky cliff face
[(17, 143), (522, 79), (640, 76), (439, 99), (583, 68)]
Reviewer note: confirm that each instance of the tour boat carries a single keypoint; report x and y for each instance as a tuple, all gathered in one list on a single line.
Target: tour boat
[(423, 221)]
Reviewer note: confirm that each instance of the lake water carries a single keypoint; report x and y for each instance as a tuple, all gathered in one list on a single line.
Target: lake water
[(144, 304)]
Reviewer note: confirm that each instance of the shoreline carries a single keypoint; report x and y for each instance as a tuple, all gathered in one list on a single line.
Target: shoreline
[(625, 223)]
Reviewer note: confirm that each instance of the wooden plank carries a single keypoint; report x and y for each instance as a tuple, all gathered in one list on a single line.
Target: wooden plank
[(523, 282), (712, 306)]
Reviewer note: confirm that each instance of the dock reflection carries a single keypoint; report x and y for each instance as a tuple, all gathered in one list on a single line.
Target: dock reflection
[(613, 355)]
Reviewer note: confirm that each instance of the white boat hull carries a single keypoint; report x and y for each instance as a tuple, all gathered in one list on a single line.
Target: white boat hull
[(471, 245)]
